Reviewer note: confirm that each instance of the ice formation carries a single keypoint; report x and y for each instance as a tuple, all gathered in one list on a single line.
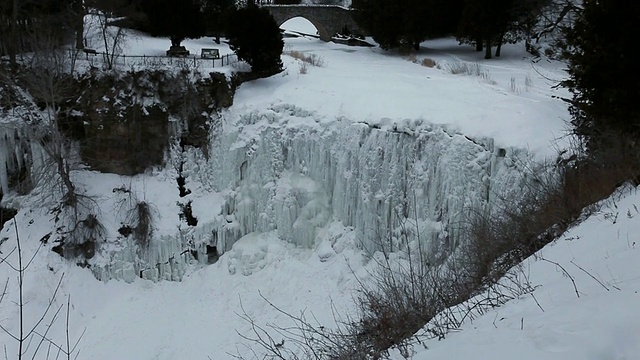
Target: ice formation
[(289, 171), (17, 152)]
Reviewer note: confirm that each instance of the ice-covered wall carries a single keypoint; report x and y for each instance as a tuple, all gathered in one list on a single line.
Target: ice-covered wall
[(288, 170), (18, 154)]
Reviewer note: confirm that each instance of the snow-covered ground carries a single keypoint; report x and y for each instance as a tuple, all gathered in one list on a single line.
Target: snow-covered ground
[(585, 306), (510, 100)]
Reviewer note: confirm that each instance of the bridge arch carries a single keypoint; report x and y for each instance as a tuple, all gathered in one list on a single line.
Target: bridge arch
[(323, 33), (328, 19)]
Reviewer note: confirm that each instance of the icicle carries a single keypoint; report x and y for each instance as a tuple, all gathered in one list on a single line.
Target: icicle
[(286, 171), (6, 148), (4, 180), (18, 151)]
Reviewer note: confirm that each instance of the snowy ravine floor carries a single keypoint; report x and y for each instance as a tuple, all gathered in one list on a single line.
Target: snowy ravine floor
[(511, 101), (199, 316)]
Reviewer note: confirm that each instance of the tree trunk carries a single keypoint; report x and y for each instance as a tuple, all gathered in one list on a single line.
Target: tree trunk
[(13, 39), (499, 47), (478, 44), (487, 50), (416, 46), (175, 41), (78, 19)]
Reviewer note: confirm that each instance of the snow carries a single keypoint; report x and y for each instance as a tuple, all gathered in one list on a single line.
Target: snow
[(302, 170), (602, 323)]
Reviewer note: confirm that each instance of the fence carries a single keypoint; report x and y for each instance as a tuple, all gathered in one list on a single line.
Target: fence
[(95, 58)]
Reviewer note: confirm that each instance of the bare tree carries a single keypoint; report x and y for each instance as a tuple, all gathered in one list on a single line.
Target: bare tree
[(112, 37), (49, 81), (37, 332), (47, 77), (77, 12)]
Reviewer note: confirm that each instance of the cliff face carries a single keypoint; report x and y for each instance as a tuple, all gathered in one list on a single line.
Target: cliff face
[(281, 169), (119, 123)]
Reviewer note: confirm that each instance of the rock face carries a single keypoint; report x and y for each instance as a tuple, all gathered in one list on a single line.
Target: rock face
[(122, 123)]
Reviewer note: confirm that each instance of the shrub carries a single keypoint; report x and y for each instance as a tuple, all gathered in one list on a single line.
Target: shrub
[(142, 216), (428, 62), (556, 197)]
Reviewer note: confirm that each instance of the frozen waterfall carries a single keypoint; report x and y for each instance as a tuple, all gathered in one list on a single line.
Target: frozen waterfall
[(287, 170)]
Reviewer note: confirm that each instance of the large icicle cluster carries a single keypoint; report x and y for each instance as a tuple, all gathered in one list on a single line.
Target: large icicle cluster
[(292, 172), (287, 170), (17, 155)]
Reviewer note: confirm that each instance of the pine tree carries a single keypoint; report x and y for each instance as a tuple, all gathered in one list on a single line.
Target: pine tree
[(177, 19), (383, 19), (405, 23), (489, 23), (215, 13), (604, 79), (23, 20), (255, 37)]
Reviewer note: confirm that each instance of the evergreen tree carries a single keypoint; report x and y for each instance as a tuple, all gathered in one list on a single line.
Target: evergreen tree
[(255, 37), (177, 19), (21, 21), (603, 69), (406, 23), (485, 23), (488, 23), (383, 20), (215, 13)]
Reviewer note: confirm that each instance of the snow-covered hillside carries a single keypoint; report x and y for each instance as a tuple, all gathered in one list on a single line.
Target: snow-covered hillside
[(585, 305), (304, 171)]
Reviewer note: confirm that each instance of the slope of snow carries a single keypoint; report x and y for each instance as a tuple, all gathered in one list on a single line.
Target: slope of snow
[(199, 317), (597, 318)]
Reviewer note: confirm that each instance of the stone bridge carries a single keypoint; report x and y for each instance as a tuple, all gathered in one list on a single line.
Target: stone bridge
[(328, 19)]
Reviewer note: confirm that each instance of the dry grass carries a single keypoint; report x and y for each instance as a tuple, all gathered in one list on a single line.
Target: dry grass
[(557, 196), (311, 59), (428, 62), (470, 69), (304, 68)]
